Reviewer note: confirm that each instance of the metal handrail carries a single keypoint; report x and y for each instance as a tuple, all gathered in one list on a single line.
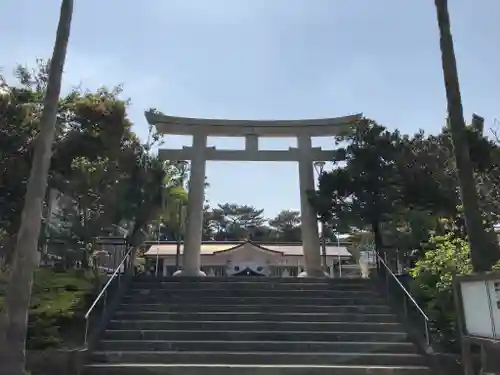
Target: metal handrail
[(409, 297), (104, 290), (403, 288)]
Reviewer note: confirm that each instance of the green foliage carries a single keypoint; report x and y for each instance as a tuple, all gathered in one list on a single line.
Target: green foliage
[(363, 189), (103, 173), (19, 124), (233, 222), (398, 186), (59, 300), (287, 225), (445, 255)]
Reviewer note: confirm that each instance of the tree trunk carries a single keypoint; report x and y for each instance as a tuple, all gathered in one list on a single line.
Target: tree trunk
[(14, 318), (483, 251)]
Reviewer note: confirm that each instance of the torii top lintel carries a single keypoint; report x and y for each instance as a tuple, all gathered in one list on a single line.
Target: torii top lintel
[(240, 128)]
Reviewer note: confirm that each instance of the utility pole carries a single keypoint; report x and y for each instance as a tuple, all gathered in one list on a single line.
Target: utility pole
[(319, 167), (323, 246), (179, 236)]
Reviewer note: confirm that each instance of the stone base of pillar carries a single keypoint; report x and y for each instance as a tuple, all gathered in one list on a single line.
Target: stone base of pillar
[(185, 273), (316, 273)]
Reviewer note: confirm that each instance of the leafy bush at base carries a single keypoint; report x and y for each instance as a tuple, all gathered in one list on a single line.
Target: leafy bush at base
[(432, 284), (59, 301)]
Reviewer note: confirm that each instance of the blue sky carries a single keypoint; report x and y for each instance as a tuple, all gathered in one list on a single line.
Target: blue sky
[(267, 59)]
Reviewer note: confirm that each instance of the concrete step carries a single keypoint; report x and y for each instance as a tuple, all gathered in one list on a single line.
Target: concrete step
[(267, 335), (218, 369), (247, 358), (244, 293), (238, 285), (201, 299), (195, 307), (263, 346), (256, 316), (282, 326), (252, 280)]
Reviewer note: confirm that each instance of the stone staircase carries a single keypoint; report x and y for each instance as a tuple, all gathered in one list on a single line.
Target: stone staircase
[(254, 326)]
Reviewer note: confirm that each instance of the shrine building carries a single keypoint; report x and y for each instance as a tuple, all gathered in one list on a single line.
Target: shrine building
[(245, 258)]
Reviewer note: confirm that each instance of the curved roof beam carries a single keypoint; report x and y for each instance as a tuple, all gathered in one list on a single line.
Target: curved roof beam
[(240, 128)]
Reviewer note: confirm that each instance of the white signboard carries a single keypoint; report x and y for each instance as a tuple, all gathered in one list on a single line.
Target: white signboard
[(481, 304)]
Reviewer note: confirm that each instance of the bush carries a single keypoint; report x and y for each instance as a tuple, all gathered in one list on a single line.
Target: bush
[(432, 284)]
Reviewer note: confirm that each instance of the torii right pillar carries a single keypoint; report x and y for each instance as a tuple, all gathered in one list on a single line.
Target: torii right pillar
[(310, 235)]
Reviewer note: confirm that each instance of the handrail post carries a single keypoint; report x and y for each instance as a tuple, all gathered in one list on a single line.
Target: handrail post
[(387, 280), (85, 338), (427, 332), (405, 306)]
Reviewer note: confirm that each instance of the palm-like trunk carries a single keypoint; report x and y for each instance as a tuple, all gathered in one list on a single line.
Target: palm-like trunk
[(483, 250), (14, 316)]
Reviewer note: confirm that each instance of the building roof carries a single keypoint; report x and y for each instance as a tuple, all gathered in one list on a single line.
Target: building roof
[(214, 247)]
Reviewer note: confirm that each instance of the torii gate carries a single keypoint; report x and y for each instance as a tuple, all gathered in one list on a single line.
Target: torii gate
[(198, 153)]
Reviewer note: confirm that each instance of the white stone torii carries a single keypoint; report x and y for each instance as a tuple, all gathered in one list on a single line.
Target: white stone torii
[(198, 153)]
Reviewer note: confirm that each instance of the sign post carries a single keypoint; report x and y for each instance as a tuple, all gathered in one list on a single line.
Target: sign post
[(477, 301)]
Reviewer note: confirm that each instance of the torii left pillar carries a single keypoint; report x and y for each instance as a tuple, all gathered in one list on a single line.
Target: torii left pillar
[(196, 199)]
